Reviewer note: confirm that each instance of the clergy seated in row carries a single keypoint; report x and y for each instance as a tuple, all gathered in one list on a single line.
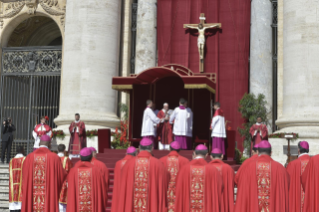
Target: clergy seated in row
[(86, 186), (295, 170), (101, 166), (258, 132), (15, 181), (263, 184), (173, 163), (228, 175), (180, 117), (67, 165), (42, 177), (199, 186), (131, 152), (144, 182), (150, 122)]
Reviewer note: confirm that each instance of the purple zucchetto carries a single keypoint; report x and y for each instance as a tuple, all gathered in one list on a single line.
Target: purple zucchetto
[(92, 149), (175, 145), (304, 144), (216, 151), (146, 142), (264, 145), (45, 138), (256, 146), (201, 147), (130, 150), (85, 152)]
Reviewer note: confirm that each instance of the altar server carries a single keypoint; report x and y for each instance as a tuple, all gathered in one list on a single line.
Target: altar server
[(40, 130), (150, 121), (258, 132), (199, 187), (42, 177), (180, 117), (144, 182), (218, 129)]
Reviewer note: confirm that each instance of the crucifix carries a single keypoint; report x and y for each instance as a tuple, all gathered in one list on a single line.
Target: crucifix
[(201, 27)]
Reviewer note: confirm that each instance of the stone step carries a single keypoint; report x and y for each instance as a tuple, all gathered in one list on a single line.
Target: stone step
[(4, 198), (4, 208), (4, 184), (4, 171)]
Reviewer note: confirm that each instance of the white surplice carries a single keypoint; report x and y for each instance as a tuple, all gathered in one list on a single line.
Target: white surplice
[(190, 123), (180, 118), (218, 126), (149, 122)]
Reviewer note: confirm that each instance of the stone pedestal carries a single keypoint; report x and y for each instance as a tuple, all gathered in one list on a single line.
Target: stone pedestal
[(300, 112), (261, 52), (146, 35), (90, 60)]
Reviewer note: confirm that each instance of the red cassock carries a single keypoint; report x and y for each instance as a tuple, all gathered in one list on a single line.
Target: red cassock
[(296, 193), (86, 189), (242, 167), (228, 175), (173, 162), (117, 181), (43, 177), (67, 165), (199, 188), (44, 131), (78, 139), (256, 139), (164, 130), (263, 186), (15, 183), (144, 185), (310, 184)]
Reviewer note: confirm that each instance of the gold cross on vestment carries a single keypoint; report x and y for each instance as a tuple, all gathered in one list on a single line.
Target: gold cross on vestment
[(201, 27)]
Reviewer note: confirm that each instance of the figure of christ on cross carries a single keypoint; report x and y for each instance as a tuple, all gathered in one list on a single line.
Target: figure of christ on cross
[(201, 27)]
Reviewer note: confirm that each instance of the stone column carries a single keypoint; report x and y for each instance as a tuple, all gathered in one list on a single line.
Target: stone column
[(261, 51), (90, 60), (300, 112), (146, 35)]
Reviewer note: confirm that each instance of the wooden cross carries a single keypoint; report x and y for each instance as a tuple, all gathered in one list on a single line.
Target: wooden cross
[(201, 27)]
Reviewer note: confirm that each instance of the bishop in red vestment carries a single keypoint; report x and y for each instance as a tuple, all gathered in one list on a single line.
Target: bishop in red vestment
[(67, 165), (164, 129), (144, 182), (42, 177), (295, 170), (199, 186), (228, 176), (15, 180), (264, 184), (130, 153), (258, 132), (100, 165), (78, 136), (86, 186), (173, 162)]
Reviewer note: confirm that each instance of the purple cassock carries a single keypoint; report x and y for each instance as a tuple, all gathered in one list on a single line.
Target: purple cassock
[(219, 143)]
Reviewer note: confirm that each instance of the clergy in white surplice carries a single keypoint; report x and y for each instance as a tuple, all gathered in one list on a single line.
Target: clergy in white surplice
[(218, 129), (180, 117), (150, 121)]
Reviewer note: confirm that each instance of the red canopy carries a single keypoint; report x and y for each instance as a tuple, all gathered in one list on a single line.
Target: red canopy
[(149, 76)]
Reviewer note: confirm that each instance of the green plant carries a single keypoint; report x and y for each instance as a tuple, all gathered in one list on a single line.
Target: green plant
[(239, 156), (120, 137), (124, 110), (58, 134), (91, 133), (251, 107)]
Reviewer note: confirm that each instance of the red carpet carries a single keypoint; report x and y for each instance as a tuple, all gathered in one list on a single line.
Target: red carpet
[(111, 156)]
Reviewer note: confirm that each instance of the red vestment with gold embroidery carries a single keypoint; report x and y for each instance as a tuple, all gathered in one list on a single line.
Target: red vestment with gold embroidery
[(86, 189), (15, 182), (173, 162), (144, 185), (228, 176), (78, 137), (266, 190), (164, 130), (67, 165), (43, 177), (198, 188)]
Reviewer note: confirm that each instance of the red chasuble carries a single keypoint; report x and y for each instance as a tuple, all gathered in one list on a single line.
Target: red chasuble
[(67, 165), (310, 184), (78, 139), (228, 175), (199, 188), (144, 185), (173, 162), (102, 167), (164, 130), (256, 139), (263, 186), (117, 181), (42, 176), (86, 189), (243, 166), (15, 183), (296, 193)]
